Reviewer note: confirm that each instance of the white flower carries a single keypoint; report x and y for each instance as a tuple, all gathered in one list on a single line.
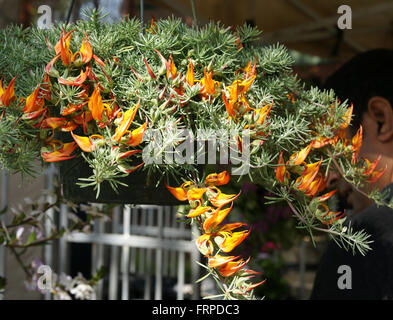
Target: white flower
[(66, 281), (59, 294), (83, 291)]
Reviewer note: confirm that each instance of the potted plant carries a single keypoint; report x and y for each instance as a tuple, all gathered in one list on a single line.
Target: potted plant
[(119, 106)]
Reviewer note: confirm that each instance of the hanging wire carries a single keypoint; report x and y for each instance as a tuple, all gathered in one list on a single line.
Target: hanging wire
[(194, 13), (142, 7), (70, 11)]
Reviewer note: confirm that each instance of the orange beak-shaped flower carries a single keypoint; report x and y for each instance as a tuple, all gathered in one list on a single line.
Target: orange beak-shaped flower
[(63, 47), (136, 136), (299, 157), (78, 81), (329, 217), (308, 176), (320, 142), (190, 78), (208, 84), (128, 117), (171, 68), (204, 244), (317, 185), (219, 261), (370, 172), (85, 143), (215, 179), (33, 103), (54, 122), (262, 114), (95, 104), (86, 50), (249, 70), (6, 95), (195, 193), (216, 218), (61, 154), (229, 105), (357, 140), (327, 196), (179, 193), (281, 170), (347, 118), (222, 199), (232, 240), (198, 211), (230, 268)]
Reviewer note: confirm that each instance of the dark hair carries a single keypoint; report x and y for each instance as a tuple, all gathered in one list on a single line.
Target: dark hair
[(366, 75)]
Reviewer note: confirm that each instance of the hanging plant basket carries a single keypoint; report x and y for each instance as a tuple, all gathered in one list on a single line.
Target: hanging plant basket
[(139, 190)]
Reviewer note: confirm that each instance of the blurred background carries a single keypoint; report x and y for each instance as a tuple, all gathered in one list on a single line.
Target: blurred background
[(286, 256)]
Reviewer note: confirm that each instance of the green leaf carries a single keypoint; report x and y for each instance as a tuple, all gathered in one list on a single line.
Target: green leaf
[(31, 238)]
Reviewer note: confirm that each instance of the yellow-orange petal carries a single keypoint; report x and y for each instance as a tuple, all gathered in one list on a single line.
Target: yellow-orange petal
[(128, 117), (216, 218), (232, 241), (179, 193), (137, 135), (299, 157), (195, 193), (198, 211), (280, 170), (217, 179), (218, 260), (84, 143)]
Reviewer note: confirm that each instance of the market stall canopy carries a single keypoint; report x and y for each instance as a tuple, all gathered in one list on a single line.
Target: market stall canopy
[(309, 26)]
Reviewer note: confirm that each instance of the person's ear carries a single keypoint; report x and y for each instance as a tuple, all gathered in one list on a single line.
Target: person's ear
[(381, 112)]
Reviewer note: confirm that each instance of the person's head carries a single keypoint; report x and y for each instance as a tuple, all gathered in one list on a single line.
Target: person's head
[(367, 81)]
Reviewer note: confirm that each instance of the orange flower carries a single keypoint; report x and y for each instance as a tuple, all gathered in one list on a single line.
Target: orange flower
[(299, 157), (78, 81), (347, 118), (63, 48), (61, 154), (179, 193), (357, 140), (95, 104), (208, 84), (215, 179), (231, 267), (218, 261), (308, 176), (327, 196), (85, 143), (232, 239), (171, 68), (190, 74), (195, 193), (369, 170), (281, 170), (136, 135), (86, 50), (222, 199), (262, 114), (205, 244), (33, 103), (198, 211), (6, 95), (216, 218), (128, 117), (321, 142)]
